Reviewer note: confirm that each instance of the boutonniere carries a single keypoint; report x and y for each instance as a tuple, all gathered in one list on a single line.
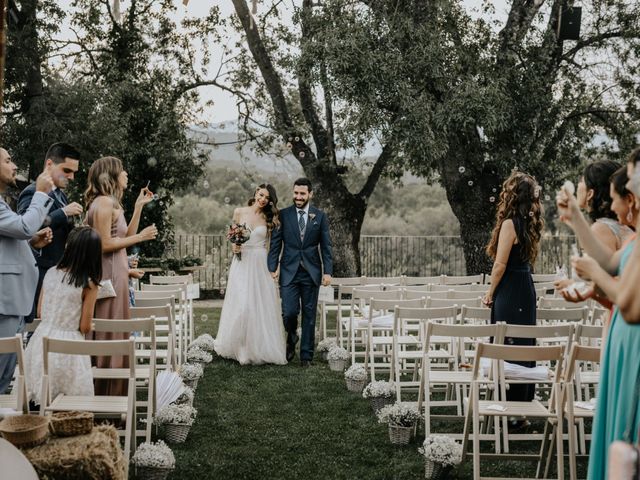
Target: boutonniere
[(312, 216)]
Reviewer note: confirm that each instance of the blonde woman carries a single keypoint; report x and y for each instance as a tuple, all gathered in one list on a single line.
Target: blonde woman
[(107, 181), (514, 246)]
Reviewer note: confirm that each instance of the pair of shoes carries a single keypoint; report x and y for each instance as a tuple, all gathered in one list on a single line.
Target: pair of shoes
[(306, 363)]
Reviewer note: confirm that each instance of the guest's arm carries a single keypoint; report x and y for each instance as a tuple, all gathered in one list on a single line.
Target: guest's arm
[(25, 226), (89, 296), (628, 298), (145, 197), (506, 239), (103, 220)]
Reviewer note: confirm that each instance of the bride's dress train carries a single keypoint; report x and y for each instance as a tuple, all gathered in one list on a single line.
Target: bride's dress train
[(251, 329)]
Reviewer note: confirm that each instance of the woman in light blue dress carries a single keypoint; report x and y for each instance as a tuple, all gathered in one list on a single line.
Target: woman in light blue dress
[(617, 399)]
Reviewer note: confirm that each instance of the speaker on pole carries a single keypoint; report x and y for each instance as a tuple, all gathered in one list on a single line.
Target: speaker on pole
[(569, 23)]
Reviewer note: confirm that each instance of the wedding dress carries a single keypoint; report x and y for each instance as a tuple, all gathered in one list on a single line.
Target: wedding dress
[(251, 329)]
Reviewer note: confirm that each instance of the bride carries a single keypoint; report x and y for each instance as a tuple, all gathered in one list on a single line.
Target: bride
[(251, 329)]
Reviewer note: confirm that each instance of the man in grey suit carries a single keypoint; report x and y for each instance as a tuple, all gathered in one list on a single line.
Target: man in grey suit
[(18, 271)]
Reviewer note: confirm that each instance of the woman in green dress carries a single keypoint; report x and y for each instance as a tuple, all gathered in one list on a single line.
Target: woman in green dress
[(617, 399)]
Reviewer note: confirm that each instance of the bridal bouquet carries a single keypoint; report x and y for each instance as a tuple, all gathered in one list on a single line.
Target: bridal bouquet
[(238, 234)]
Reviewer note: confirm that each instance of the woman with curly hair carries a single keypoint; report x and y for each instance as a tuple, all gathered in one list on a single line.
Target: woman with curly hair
[(107, 181), (251, 330), (514, 246)]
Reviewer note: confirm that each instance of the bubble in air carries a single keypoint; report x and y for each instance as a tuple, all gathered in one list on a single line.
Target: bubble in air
[(222, 291), (152, 162), (203, 318), (494, 190), (461, 169), (301, 154), (156, 196), (531, 214), (547, 198), (470, 183), (492, 199), (161, 203), (290, 139), (206, 185), (227, 200), (289, 146), (514, 151), (297, 139)]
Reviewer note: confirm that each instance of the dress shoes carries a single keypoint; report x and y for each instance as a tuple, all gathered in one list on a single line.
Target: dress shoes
[(306, 363), (291, 351)]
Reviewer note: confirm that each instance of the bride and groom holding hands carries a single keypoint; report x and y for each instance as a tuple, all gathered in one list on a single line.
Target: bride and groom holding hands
[(292, 246)]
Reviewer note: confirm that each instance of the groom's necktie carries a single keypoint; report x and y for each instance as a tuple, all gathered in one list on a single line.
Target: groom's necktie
[(58, 194), (301, 223)]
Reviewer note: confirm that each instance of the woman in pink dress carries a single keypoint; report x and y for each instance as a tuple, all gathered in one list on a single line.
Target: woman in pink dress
[(107, 181)]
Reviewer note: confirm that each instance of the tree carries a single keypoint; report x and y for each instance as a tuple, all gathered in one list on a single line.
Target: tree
[(458, 98)]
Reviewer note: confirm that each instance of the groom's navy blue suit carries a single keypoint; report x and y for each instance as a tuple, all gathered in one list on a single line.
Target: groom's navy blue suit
[(301, 271)]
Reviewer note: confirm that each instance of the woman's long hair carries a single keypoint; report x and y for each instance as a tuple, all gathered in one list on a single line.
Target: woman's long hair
[(596, 177), (270, 212), (82, 258), (103, 180), (520, 202)]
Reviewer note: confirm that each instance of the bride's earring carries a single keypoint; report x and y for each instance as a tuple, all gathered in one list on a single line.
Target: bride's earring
[(630, 215)]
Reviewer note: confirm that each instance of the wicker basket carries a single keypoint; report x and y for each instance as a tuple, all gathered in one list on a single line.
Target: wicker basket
[(152, 473), (355, 385), (378, 402), (25, 430), (176, 432), (69, 424), (337, 365), (191, 383), (435, 471), (400, 435)]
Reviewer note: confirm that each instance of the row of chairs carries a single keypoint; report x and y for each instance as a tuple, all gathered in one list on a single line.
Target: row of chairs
[(407, 280)]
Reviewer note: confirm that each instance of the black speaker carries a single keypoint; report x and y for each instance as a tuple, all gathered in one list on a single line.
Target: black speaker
[(569, 23)]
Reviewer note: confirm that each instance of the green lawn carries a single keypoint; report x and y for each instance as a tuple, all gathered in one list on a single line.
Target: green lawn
[(275, 422)]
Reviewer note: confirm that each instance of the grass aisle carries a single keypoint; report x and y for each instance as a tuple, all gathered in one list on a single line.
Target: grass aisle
[(285, 422)]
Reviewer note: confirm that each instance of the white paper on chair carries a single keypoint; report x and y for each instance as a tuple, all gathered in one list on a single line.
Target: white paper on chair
[(517, 372), (193, 291), (590, 405), (326, 294), (496, 408)]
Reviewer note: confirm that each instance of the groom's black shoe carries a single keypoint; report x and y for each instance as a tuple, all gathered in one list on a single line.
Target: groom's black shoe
[(306, 363), (291, 347)]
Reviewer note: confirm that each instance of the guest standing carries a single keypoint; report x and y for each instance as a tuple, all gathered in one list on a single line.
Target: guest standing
[(63, 161), (107, 181), (69, 293), (18, 272), (514, 246)]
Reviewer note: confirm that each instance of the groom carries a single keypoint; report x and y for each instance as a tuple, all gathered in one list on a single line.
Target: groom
[(304, 230)]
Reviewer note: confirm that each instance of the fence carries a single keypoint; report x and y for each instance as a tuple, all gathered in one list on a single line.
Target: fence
[(380, 256)]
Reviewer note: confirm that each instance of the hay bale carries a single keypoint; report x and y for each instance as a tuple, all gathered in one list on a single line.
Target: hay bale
[(95, 456)]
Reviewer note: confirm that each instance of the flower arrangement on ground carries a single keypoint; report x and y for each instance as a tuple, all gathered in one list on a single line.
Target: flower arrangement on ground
[(380, 389), (399, 415), (195, 354), (204, 342), (191, 371), (176, 414), (355, 378), (326, 344), (440, 453), (337, 357), (154, 455)]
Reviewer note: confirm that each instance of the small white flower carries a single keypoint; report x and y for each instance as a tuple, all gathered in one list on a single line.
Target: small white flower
[(204, 342), (441, 449), (326, 344), (379, 389), (180, 414), (356, 372), (337, 353), (151, 454), (399, 414), (196, 354), (191, 371)]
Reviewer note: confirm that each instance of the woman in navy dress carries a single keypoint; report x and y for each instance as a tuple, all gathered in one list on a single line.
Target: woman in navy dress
[(514, 246)]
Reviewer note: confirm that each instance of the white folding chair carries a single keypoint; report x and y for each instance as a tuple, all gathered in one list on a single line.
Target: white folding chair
[(463, 279), (120, 407), (382, 281), (17, 399), (415, 281), (166, 349), (148, 300)]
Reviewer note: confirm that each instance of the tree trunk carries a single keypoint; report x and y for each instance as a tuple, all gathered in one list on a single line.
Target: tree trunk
[(473, 196)]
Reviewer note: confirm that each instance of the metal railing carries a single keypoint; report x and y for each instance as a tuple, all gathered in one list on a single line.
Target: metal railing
[(381, 256)]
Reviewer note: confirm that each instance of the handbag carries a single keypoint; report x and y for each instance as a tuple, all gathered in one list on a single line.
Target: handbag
[(106, 290), (624, 456)]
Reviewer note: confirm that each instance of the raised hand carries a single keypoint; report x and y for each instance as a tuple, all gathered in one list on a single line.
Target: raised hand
[(73, 209), (567, 204), (585, 266), (148, 233), (42, 238), (145, 197), (44, 182)]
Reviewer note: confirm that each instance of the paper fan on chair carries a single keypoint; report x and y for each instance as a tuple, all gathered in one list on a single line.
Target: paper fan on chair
[(169, 387)]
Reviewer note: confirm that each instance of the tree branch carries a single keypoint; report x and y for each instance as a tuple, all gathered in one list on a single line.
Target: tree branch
[(376, 171), (594, 40)]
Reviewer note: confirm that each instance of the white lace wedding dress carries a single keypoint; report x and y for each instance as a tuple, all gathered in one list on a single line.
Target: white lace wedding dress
[(61, 311), (251, 329)]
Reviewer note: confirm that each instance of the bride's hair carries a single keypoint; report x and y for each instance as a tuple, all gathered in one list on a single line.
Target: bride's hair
[(270, 212)]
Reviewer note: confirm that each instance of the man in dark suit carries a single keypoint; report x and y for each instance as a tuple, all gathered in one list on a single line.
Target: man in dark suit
[(304, 234), (62, 161)]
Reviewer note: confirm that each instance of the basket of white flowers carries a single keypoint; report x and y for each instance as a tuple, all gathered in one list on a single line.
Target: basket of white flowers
[(380, 393), (440, 453), (153, 461), (195, 354), (186, 397), (177, 420), (204, 342), (337, 358), (356, 378), (190, 373), (325, 345), (402, 419)]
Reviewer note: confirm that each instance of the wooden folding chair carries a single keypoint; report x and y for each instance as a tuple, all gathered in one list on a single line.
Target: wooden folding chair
[(166, 349), (120, 407), (558, 316), (17, 399), (179, 290), (146, 368), (491, 408), (463, 280), (543, 277), (415, 281), (382, 281), (146, 300), (547, 302)]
